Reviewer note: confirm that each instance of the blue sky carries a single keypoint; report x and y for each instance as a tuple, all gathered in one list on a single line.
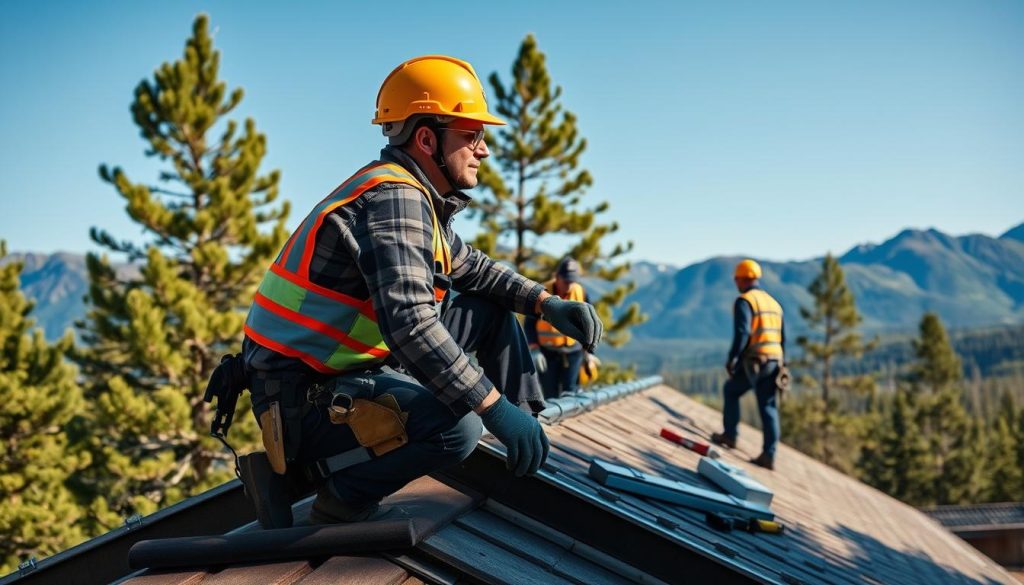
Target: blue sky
[(774, 129)]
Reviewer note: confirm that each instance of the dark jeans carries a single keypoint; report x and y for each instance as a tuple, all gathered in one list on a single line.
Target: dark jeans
[(438, 438), (767, 403), (563, 373)]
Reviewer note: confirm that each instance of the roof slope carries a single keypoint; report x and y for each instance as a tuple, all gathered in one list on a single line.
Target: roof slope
[(838, 530), (476, 523)]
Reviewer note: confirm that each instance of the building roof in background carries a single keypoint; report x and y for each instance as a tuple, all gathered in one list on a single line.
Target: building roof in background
[(1006, 516)]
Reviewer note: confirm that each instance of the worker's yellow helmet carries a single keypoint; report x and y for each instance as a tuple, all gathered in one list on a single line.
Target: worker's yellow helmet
[(748, 269), (432, 85)]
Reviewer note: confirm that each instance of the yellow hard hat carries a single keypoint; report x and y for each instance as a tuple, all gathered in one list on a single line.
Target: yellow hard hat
[(748, 269), (433, 85), (588, 372)]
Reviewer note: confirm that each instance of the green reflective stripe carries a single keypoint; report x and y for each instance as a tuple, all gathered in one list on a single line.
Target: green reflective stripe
[(345, 358), (281, 291), (329, 311), (367, 332), (290, 334), (323, 348)]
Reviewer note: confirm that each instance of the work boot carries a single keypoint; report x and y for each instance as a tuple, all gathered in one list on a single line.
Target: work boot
[(328, 509), (723, 440), (764, 460), (268, 491)]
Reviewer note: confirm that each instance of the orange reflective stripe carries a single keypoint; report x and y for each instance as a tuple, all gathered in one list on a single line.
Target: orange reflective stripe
[(307, 252), (345, 183), (296, 317), (310, 323), (365, 307), (547, 334), (280, 348), (765, 324)]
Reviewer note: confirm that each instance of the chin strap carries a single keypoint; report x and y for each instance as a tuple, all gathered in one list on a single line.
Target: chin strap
[(438, 159)]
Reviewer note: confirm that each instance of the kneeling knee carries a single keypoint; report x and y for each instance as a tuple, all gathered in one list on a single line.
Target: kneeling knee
[(460, 441)]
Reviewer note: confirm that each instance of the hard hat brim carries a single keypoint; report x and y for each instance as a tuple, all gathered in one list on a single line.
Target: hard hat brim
[(482, 117)]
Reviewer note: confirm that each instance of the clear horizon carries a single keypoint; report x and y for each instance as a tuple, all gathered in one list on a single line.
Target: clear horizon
[(788, 130)]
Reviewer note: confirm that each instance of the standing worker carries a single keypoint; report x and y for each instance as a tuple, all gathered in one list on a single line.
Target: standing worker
[(756, 360), (559, 357), (359, 379)]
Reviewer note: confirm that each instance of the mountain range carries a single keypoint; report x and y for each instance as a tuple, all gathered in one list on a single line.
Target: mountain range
[(970, 281)]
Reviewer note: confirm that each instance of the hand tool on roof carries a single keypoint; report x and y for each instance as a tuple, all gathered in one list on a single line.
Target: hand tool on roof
[(695, 446), (726, 523)]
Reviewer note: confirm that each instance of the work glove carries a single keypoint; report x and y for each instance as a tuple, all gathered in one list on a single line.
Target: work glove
[(526, 446), (575, 319), (539, 360)]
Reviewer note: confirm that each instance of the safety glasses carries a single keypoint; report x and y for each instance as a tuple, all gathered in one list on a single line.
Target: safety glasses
[(474, 143)]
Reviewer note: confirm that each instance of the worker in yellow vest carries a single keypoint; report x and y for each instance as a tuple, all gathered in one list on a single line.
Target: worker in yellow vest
[(355, 353), (755, 360), (560, 359)]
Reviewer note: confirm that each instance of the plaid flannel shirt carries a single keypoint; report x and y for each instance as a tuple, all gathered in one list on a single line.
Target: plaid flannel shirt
[(380, 246)]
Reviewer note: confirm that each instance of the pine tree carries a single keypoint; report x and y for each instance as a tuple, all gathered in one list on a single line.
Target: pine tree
[(835, 314), (535, 189), (1006, 476), (938, 366), (899, 465), (944, 421), (1005, 461), (154, 338), (954, 449), (39, 515)]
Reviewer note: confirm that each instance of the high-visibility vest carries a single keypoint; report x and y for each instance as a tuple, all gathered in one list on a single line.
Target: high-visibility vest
[(547, 335), (766, 325), (331, 332)]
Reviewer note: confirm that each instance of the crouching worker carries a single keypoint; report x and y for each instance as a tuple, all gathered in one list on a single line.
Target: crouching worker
[(356, 351)]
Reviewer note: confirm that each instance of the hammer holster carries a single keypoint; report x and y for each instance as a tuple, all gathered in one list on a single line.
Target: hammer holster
[(281, 422)]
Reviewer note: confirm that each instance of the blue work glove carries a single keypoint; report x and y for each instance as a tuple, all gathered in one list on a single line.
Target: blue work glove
[(575, 319), (539, 360), (526, 446)]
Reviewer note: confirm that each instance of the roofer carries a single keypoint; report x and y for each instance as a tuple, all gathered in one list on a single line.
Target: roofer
[(355, 350), (560, 358), (756, 360)]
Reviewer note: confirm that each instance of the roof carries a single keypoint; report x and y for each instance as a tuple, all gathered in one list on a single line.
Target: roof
[(838, 530), (980, 517), (476, 523)]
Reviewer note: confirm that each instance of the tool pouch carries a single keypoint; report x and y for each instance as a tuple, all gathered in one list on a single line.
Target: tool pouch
[(783, 379), (752, 366), (272, 429), (377, 424)]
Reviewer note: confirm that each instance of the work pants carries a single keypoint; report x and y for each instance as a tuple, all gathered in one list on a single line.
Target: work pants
[(563, 373), (767, 402), (438, 438)]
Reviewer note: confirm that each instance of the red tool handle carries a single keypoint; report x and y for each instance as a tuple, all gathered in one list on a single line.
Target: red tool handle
[(681, 440)]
